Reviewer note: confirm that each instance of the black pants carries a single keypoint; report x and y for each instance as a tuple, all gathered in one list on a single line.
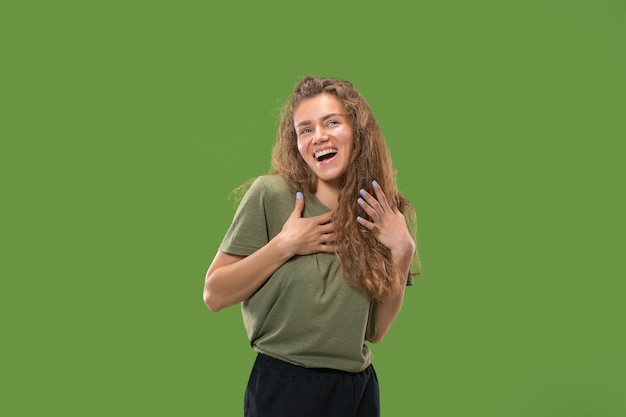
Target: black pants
[(279, 389)]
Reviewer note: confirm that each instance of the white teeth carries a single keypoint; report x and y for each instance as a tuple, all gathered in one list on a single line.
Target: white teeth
[(324, 152)]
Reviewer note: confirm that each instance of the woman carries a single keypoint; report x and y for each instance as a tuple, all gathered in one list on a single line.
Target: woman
[(319, 254)]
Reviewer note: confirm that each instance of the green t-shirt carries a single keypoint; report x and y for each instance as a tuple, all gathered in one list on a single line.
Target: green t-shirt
[(305, 313)]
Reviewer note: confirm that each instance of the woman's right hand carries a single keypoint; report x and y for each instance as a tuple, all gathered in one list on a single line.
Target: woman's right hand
[(233, 278), (305, 236)]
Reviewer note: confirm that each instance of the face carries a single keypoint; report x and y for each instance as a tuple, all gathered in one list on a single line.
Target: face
[(324, 137)]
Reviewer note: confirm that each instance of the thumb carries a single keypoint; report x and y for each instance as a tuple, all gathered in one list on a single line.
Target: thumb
[(297, 211)]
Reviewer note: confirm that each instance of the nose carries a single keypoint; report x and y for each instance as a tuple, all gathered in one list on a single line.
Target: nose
[(320, 136)]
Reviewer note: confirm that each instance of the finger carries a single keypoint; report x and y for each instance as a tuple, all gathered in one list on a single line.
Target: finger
[(329, 240), (380, 195), (328, 248), (323, 218), (299, 207), (371, 201), (375, 215), (366, 223), (326, 228)]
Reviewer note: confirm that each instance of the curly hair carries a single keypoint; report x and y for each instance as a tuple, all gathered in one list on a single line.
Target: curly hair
[(365, 262)]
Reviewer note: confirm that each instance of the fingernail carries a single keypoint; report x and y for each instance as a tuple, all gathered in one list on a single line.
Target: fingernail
[(359, 219), (363, 192), (374, 183), (361, 201), (299, 195)]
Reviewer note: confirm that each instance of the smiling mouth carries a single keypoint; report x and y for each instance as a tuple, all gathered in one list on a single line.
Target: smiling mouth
[(325, 154)]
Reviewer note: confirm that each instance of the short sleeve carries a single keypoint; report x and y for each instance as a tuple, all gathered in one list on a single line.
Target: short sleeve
[(409, 280), (248, 230)]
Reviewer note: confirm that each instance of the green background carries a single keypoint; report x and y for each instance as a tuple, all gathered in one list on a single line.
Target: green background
[(125, 125)]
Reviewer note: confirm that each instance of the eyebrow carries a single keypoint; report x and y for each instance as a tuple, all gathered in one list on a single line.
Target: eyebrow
[(328, 116)]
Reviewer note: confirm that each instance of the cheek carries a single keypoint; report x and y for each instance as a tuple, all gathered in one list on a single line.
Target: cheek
[(348, 142), (302, 147)]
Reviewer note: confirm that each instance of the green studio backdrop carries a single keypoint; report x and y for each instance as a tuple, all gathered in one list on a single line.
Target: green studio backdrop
[(125, 126)]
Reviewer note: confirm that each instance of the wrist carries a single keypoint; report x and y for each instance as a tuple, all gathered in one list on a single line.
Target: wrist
[(405, 248), (281, 246), (402, 256)]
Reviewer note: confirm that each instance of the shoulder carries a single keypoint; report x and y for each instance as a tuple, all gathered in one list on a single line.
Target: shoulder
[(269, 188), (271, 194), (274, 183)]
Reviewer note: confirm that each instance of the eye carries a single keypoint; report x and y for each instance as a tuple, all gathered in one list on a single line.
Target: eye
[(333, 123), (305, 131)]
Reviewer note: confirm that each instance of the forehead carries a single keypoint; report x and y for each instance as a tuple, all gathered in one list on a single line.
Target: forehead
[(317, 107)]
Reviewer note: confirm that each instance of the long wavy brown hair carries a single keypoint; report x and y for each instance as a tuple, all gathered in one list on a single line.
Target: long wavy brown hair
[(365, 262)]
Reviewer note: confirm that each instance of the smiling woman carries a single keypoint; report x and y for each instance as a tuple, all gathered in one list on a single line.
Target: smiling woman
[(317, 280), (325, 143)]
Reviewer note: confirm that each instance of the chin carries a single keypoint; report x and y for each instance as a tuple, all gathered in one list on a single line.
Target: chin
[(331, 177)]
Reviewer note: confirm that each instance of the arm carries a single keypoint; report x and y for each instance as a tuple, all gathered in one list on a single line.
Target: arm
[(389, 226), (387, 312), (233, 278)]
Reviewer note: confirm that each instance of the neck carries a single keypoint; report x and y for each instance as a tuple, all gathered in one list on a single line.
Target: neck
[(328, 194)]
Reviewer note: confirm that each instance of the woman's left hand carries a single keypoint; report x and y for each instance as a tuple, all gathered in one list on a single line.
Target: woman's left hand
[(386, 222)]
